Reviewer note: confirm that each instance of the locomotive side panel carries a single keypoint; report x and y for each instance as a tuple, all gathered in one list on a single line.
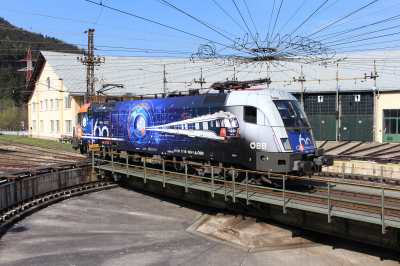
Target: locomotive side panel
[(194, 127)]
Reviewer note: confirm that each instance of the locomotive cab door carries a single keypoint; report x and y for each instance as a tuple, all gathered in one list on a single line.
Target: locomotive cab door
[(114, 127)]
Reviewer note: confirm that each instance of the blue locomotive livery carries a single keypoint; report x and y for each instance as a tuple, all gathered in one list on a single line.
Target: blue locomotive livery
[(262, 129)]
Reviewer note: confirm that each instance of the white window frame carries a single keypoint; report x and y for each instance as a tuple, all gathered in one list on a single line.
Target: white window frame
[(67, 102), (58, 126), (51, 125), (46, 105), (48, 83), (57, 106), (41, 126), (51, 105), (33, 125), (68, 126), (41, 106), (33, 107)]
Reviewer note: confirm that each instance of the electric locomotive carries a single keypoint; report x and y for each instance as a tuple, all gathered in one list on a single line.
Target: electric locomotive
[(264, 130)]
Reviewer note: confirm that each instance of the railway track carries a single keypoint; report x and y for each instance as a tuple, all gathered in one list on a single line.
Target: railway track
[(338, 197), (379, 152), (17, 211), (28, 172), (16, 156)]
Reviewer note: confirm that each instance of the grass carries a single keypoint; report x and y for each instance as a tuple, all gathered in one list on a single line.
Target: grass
[(52, 144)]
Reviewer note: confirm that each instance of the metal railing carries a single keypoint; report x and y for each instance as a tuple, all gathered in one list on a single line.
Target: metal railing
[(246, 186)]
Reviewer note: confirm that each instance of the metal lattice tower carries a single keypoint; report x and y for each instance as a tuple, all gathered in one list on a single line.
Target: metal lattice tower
[(29, 67), (90, 61)]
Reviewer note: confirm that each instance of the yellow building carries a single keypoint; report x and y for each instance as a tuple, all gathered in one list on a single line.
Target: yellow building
[(51, 109), (56, 91)]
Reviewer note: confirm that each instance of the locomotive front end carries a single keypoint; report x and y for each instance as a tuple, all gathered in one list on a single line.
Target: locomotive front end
[(309, 158)]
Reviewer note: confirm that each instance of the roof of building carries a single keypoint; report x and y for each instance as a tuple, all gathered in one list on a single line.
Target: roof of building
[(142, 76)]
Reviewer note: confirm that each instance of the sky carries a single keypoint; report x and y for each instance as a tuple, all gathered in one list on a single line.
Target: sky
[(178, 28), (229, 33)]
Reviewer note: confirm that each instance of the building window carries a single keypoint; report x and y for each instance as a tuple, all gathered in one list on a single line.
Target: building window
[(41, 126), (41, 106), (48, 83), (33, 107), (315, 105), (58, 126), (33, 125), (68, 125), (57, 106), (81, 102), (51, 105), (363, 107), (67, 101), (391, 121), (46, 106), (51, 125)]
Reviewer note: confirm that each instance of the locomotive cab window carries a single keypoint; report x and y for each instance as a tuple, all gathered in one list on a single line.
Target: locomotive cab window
[(292, 114), (250, 114)]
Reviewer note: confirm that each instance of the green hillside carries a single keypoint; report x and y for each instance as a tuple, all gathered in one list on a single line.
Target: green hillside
[(14, 44)]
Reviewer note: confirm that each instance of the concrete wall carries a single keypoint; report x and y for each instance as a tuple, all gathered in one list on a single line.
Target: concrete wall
[(362, 168), (18, 190), (15, 133)]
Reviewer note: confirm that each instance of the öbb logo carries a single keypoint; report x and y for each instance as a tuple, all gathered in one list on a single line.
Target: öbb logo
[(258, 145)]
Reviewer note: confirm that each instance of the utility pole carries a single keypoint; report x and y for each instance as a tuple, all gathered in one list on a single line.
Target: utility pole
[(337, 104), (165, 83), (201, 81), (374, 76), (29, 67), (301, 79), (90, 61)]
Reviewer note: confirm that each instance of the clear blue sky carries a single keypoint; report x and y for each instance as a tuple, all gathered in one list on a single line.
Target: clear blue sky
[(119, 33)]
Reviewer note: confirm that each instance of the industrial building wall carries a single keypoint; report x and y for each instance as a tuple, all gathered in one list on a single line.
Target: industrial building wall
[(320, 110), (357, 111)]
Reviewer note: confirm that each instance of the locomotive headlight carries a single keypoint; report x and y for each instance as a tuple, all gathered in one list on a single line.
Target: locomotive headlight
[(286, 144)]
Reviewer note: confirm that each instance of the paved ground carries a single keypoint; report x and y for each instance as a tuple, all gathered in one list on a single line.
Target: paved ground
[(130, 227)]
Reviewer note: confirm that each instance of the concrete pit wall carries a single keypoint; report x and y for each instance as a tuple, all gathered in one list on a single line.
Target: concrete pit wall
[(21, 189), (367, 169)]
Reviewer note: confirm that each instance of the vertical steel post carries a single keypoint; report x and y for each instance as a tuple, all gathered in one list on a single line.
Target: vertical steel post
[(186, 179), (212, 182), (343, 172), (92, 161), (284, 200), (329, 202), (381, 176), (163, 173), (247, 188), (225, 183), (98, 162), (144, 170), (383, 211), (112, 163), (233, 186), (127, 166)]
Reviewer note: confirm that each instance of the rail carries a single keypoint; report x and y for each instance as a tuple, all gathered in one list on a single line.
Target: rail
[(229, 187)]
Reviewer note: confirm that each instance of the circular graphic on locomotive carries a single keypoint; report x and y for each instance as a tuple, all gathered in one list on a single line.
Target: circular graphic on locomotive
[(139, 118), (140, 125)]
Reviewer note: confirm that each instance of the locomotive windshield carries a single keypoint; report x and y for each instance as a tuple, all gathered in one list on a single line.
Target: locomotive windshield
[(292, 114)]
